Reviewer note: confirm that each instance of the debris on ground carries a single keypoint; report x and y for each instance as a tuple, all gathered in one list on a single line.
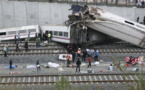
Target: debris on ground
[(50, 64), (31, 66)]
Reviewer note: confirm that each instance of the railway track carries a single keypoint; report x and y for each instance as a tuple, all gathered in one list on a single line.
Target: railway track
[(31, 44), (55, 48), (37, 51), (73, 79)]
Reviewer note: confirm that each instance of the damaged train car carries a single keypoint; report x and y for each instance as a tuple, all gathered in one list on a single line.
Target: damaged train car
[(75, 33), (110, 24), (87, 25)]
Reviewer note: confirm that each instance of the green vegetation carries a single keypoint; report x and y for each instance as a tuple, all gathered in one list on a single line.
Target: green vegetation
[(63, 84), (136, 85)]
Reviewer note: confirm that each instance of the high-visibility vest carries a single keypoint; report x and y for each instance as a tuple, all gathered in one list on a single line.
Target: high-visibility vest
[(26, 40), (68, 57), (49, 35), (79, 51)]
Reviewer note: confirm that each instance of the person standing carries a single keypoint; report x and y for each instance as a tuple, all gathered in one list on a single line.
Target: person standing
[(138, 3), (88, 52), (89, 61), (79, 53), (78, 63), (137, 19), (84, 55), (38, 66), (11, 64), (36, 42), (96, 55), (26, 46), (5, 51), (26, 39), (73, 56), (15, 37), (44, 37), (29, 36), (49, 37), (111, 67), (68, 60), (17, 47), (18, 37), (39, 41), (142, 4)]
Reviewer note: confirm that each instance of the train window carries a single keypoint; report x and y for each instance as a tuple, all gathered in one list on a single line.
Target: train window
[(32, 30), (60, 33), (22, 31), (2, 33), (65, 34), (55, 33), (12, 32)]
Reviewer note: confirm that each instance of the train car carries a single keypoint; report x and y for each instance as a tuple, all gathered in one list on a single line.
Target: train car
[(115, 26), (60, 33), (67, 34), (110, 24), (9, 33), (74, 33)]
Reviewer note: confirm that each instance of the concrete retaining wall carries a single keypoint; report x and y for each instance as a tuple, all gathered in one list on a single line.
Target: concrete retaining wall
[(15, 13)]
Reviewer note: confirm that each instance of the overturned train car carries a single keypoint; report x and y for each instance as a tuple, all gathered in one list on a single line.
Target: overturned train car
[(75, 33)]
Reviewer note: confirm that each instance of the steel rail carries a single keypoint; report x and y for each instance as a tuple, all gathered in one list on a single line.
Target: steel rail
[(122, 81), (2, 76), (29, 79)]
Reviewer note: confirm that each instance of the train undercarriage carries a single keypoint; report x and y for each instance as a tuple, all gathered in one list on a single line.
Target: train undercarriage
[(102, 26)]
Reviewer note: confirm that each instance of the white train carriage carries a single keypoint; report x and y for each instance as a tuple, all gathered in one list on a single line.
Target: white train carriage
[(117, 26), (60, 33), (9, 33)]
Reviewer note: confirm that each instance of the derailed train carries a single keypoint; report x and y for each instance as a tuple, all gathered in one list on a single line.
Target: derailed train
[(73, 33), (92, 25), (113, 25)]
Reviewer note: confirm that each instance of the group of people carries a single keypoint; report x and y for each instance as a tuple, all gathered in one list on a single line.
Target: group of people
[(47, 36), (38, 39), (17, 40), (82, 55), (140, 3), (132, 60), (37, 65)]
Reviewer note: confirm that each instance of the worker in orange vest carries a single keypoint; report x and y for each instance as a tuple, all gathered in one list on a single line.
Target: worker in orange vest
[(79, 52), (68, 60)]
